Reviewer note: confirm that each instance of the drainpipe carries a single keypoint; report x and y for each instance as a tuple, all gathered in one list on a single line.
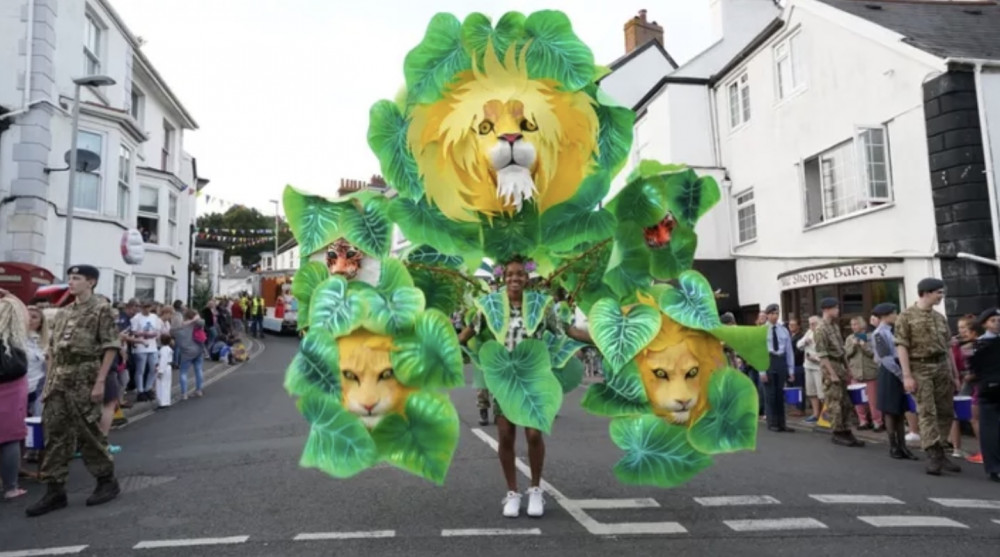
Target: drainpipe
[(29, 51)]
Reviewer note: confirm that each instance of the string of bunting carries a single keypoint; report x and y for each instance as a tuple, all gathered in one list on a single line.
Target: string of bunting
[(235, 240), (241, 231)]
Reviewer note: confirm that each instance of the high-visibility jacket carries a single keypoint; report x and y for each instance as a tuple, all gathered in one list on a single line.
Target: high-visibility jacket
[(258, 307)]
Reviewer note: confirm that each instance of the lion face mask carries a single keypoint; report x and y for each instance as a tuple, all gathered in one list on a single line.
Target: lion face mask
[(343, 259)]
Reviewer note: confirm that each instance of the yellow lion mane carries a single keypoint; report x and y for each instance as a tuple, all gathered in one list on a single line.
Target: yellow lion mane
[(444, 140)]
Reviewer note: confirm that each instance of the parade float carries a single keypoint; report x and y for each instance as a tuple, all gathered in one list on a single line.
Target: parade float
[(502, 144)]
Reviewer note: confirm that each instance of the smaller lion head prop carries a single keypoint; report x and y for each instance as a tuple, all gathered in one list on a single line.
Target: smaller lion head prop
[(343, 259)]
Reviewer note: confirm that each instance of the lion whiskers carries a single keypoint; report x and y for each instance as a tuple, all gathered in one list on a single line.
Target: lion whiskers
[(515, 186)]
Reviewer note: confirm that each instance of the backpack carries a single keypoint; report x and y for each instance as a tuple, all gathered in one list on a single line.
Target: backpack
[(199, 335)]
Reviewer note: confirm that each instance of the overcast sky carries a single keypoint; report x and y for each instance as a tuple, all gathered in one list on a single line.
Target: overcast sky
[(281, 88)]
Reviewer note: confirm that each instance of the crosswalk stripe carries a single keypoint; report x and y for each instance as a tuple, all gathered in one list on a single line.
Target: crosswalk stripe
[(157, 544), (772, 524), (911, 522), (857, 499), (968, 503), (635, 528), (313, 536), (736, 501), (491, 532), (641, 503), (66, 550)]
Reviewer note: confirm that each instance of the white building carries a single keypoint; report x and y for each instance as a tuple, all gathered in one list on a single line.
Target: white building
[(137, 127), (210, 268), (854, 142)]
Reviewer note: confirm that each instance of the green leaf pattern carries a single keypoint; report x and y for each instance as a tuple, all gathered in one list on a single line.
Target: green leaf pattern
[(656, 453), (338, 443), (522, 382)]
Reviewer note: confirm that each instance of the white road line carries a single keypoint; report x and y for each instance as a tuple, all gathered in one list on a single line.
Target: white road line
[(578, 514), (67, 550), (158, 544), (772, 524), (491, 532), (911, 522), (996, 520), (857, 499), (736, 501), (641, 503), (344, 535), (968, 503)]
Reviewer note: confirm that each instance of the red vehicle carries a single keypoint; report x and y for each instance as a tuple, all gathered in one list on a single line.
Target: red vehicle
[(25, 281)]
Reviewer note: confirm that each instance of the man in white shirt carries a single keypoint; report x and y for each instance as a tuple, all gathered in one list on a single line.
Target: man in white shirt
[(146, 328)]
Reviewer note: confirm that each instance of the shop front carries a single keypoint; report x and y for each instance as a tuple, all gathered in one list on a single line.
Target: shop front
[(859, 285)]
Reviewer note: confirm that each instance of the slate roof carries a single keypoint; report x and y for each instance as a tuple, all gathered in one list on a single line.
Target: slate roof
[(946, 29)]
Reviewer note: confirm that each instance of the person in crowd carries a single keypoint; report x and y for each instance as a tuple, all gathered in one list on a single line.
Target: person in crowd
[(864, 371), (922, 339), (166, 315), (830, 349), (191, 347), (178, 317), (82, 348), (125, 314), (257, 311), (146, 328), (962, 348), (210, 316), (800, 373), (236, 309), (891, 398), (780, 371), (13, 391), (813, 370), (35, 343), (985, 364), (164, 371)]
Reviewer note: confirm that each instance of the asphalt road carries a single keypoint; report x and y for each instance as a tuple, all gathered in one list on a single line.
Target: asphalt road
[(219, 476)]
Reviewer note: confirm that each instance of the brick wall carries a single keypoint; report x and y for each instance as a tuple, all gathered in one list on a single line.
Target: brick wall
[(961, 197)]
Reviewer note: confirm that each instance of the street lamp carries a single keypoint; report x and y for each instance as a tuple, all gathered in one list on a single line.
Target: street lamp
[(276, 209), (89, 81)]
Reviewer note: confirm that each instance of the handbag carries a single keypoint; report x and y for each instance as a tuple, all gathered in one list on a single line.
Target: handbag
[(13, 363), (199, 335)]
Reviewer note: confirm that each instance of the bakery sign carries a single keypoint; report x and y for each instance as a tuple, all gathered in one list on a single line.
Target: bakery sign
[(851, 272)]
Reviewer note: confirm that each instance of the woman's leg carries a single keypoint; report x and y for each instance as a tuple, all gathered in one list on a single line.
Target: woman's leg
[(506, 435), (199, 374), (536, 454), (871, 388), (185, 364), (10, 465)]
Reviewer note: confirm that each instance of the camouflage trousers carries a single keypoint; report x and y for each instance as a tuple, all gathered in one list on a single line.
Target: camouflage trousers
[(935, 401), (838, 401), (483, 399), (69, 418)]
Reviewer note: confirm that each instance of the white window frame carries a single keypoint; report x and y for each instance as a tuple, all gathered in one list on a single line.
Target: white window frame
[(745, 200), (124, 193), (166, 153), (169, 290), (118, 288), (172, 204), (788, 52), (100, 176), (152, 290), (138, 102), (866, 165), (93, 32), (738, 95), (154, 235)]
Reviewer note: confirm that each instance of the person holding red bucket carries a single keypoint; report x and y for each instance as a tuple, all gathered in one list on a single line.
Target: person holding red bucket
[(891, 398), (961, 350), (864, 371), (985, 364)]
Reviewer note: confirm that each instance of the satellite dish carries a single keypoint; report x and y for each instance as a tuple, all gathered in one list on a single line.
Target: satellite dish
[(86, 161)]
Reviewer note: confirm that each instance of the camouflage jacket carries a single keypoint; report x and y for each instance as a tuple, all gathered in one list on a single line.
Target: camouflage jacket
[(81, 334), (924, 333), (829, 343), (861, 358)]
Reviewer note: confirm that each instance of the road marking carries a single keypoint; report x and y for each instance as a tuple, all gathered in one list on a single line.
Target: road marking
[(857, 499), (578, 514), (344, 535), (968, 503), (736, 501), (911, 522), (67, 550), (492, 532), (772, 524), (158, 544), (996, 520), (641, 503)]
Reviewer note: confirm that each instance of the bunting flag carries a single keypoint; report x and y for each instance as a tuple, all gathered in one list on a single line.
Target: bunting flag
[(236, 241), (242, 231)]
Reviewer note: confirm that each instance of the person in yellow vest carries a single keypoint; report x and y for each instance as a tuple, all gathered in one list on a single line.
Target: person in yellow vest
[(257, 311)]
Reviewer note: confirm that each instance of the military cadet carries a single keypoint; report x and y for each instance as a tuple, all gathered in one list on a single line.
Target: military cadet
[(82, 348), (780, 370), (833, 363), (891, 398), (923, 341)]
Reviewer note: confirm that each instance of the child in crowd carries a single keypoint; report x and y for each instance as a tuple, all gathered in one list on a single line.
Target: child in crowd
[(164, 372)]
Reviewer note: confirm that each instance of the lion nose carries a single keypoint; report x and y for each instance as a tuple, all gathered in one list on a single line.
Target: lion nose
[(684, 403), (511, 137), (368, 407)]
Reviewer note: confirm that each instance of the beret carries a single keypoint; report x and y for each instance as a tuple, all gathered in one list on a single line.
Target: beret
[(881, 310), (985, 316), (929, 285), (827, 303), (771, 308), (88, 271), (728, 319)]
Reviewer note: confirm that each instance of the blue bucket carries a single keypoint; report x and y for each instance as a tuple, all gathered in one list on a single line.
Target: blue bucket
[(911, 403), (35, 438), (963, 408), (793, 395), (859, 394)]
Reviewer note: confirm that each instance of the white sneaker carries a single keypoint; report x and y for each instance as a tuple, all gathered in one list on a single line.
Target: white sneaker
[(536, 502), (512, 504), (912, 437)]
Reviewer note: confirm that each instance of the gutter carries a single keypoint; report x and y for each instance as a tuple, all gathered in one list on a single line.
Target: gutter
[(748, 50)]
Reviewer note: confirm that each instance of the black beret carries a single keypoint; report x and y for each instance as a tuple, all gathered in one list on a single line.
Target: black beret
[(728, 319), (884, 309), (87, 271), (771, 308), (929, 285), (827, 303), (985, 316)]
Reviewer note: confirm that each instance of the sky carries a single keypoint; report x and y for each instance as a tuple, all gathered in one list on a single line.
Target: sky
[(281, 88)]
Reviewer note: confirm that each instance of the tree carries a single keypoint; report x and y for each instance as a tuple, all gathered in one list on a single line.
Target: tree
[(242, 218)]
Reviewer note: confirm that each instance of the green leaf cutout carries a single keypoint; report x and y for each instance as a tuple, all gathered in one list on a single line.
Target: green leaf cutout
[(423, 441), (614, 140), (656, 453), (426, 255), (522, 382), (575, 221), (338, 443), (677, 256), (691, 303), (730, 424), (314, 220), (432, 66), (691, 197), (387, 128), (644, 200), (306, 280), (430, 357), (570, 376), (394, 312), (334, 309), (505, 236), (628, 267), (650, 167), (749, 342), (536, 304), (561, 348), (442, 293), (366, 225), (477, 31), (495, 308), (555, 52), (621, 394), (620, 337), (316, 366), (422, 223)]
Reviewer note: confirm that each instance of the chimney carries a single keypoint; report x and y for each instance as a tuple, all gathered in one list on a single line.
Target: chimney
[(638, 32)]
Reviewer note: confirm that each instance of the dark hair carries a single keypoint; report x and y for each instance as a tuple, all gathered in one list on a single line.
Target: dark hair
[(972, 322), (166, 339), (516, 258)]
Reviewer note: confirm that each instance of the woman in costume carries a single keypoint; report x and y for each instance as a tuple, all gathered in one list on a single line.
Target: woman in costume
[(515, 277)]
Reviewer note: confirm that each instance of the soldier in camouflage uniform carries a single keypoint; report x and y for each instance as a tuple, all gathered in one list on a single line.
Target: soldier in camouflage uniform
[(81, 349), (830, 349), (922, 339)]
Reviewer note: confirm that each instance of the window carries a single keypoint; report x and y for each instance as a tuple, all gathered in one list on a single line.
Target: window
[(92, 36), (788, 66), (118, 293), (166, 162), (168, 291), (124, 181), (172, 220), (145, 289), (87, 194), (149, 214), (137, 104), (746, 217), (848, 178), (739, 102)]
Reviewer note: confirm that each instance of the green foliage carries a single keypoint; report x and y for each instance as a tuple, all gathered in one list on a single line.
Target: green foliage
[(555, 52), (570, 376), (535, 306), (305, 282), (730, 424), (622, 394), (656, 453), (314, 220), (691, 303), (478, 31), (366, 224), (435, 62), (692, 196), (241, 217), (316, 366), (423, 440), (620, 337), (422, 223), (506, 236), (387, 129), (495, 308), (338, 443), (430, 356), (335, 309), (522, 382), (748, 341)]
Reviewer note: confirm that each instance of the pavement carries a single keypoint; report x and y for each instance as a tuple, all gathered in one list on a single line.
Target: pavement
[(219, 476)]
